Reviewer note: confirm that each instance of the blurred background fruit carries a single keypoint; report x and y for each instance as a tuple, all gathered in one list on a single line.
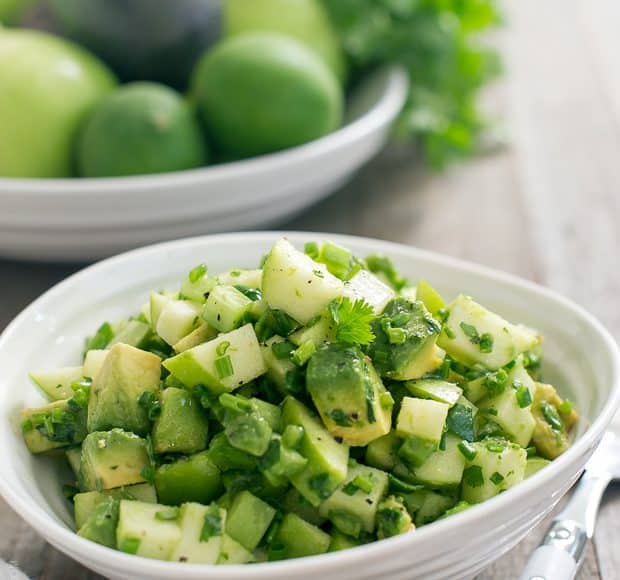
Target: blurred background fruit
[(264, 92), (11, 10), (304, 20), (142, 39), (47, 86), (141, 128)]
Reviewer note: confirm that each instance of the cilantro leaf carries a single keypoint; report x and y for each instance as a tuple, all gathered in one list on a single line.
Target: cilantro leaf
[(352, 321)]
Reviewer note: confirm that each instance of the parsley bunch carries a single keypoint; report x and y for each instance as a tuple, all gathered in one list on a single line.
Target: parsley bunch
[(437, 43)]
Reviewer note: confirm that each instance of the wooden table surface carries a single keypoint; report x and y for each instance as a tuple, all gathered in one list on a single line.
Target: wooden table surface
[(544, 204)]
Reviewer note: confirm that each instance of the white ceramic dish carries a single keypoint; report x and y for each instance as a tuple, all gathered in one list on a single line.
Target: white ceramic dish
[(581, 359), (84, 219)]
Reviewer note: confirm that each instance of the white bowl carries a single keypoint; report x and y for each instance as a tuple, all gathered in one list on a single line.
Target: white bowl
[(581, 359), (80, 219)]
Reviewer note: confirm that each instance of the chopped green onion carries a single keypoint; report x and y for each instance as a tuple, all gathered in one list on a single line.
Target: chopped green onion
[(496, 382), (497, 478), (449, 332), (524, 397), (486, 343), (470, 332), (129, 545), (531, 451), (565, 407), (302, 354), (311, 249), (336, 258), (222, 348), (396, 335), (212, 524), (473, 477), (551, 416), (386, 401), (224, 367), (282, 350), (168, 514), (467, 449), (363, 482), (197, 273)]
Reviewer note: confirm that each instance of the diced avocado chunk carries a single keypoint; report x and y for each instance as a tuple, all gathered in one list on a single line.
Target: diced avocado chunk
[(393, 518), (296, 284), (554, 419), (327, 459), (199, 335), (367, 287), (353, 506), (226, 308), (84, 503), (534, 465), (192, 479), (133, 333), (126, 374), (294, 502), (277, 368), (182, 426), (248, 519), (202, 528), (93, 361), (437, 390), (232, 552), (57, 424), (512, 408), (297, 538), (56, 384), (444, 467), (74, 456), (222, 364), (405, 337), (472, 334), (141, 532), (177, 319), (227, 457), (382, 453), (113, 459), (349, 395), (100, 527), (496, 465)]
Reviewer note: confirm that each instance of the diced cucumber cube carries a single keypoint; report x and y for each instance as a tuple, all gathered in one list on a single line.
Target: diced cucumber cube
[(93, 361), (437, 390), (141, 532), (497, 466), (356, 500), (534, 465), (297, 538), (100, 526), (199, 335), (248, 519), (422, 418), (443, 468), (239, 277), (226, 308), (157, 302), (383, 452), (177, 319), (133, 333), (56, 384), (188, 479), (327, 459), (367, 287), (472, 334), (277, 368), (323, 330), (201, 533), (427, 294), (296, 284), (200, 365), (232, 552), (197, 284)]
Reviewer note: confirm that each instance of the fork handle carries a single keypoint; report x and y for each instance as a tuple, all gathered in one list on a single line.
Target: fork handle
[(562, 549)]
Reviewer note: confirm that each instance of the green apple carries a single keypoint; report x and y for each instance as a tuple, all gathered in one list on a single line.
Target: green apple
[(11, 10), (48, 86), (304, 20)]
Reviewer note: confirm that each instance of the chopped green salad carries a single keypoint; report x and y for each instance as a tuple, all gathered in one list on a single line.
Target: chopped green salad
[(316, 403)]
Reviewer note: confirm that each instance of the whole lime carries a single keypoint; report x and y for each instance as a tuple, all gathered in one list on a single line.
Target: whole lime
[(263, 92), (47, 86), (304, 20), (141, 128)]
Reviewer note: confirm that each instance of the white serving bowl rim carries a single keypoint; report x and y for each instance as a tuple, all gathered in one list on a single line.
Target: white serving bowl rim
[(42, 522)]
